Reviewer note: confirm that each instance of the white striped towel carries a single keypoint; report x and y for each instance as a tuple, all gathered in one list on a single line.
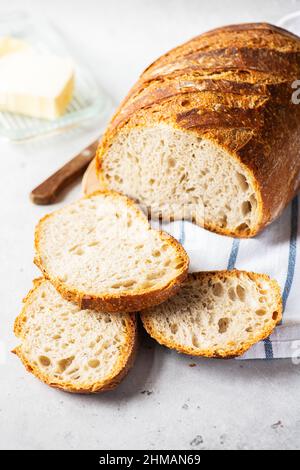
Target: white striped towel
[(273, 252)]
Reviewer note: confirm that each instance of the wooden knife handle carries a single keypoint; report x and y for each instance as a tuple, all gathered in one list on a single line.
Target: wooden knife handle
[(48, 191)]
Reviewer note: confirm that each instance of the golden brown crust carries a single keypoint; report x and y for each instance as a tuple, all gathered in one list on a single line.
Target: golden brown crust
[(115, 303), (224, 354), (231, 86), (120, 370)]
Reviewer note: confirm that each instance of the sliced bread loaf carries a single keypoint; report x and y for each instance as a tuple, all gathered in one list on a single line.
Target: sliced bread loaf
[(81, 351), (101, 253), (210, 133), (217, 314)]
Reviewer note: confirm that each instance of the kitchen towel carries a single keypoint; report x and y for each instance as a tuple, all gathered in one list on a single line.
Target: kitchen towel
[(274, 251)]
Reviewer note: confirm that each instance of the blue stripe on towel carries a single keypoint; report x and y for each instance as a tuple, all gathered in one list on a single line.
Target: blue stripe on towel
[(268, 348), (290, 270), (233, 253), (292, 252)]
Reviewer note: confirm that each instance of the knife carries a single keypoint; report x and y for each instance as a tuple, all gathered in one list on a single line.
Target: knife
[(48, 191)]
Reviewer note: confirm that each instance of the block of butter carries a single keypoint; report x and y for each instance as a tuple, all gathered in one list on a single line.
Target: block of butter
[(35, 84)]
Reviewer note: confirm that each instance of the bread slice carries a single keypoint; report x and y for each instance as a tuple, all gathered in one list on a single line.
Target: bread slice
[(81, 351), (217, 314), (101, 253)]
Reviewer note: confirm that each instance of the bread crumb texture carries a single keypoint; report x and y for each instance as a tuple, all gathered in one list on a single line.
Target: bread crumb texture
[(102, 253), (76, 350), (217, 314)]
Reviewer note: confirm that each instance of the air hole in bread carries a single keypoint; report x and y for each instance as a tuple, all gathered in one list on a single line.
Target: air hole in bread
[(117, 285), (93, 363), (154, 275), (118, 179), (56, 337), (171, 162), (185, 103), (240, 292), (275, 315), (129, 283), (223, 324), (183, 178), (263, 291), (156, 253), (218, 289), (179, 265), (77, 377), (242, 181), (63, 364), (246, 208), (44, 361), (260, 312), (95, 243), (243, 228), (73, 248), (174, 328), (72, 371)]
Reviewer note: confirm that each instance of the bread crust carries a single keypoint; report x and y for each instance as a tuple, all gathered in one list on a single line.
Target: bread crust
[(221, 354), (231, 86), (117, 303), (120, 370)]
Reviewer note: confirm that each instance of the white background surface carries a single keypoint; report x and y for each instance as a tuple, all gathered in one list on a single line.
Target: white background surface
[(163, 403)]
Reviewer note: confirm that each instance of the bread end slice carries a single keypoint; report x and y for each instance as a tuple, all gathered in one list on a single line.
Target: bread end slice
[(217, 314), (79, 351)]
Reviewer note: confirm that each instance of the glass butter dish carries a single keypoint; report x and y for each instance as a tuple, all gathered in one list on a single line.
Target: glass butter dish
[(89, 99)]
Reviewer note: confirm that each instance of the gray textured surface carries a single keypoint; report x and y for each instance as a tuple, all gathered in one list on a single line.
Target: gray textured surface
[(163, 403)]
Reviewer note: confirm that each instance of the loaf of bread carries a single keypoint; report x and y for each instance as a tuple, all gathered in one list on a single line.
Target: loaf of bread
[(76, 350), (217, 314), (101, 253), (210, 133)]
